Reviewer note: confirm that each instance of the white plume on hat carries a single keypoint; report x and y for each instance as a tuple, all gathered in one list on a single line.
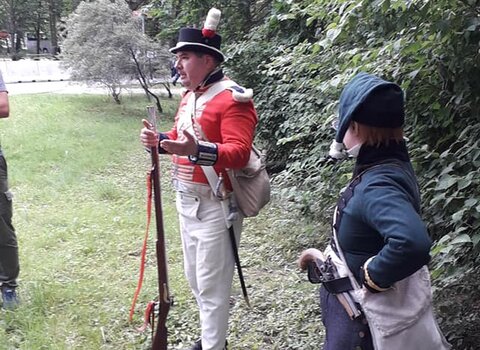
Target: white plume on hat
[(213, 18)]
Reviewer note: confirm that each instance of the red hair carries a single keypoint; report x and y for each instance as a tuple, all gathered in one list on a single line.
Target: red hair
[(375, 136)]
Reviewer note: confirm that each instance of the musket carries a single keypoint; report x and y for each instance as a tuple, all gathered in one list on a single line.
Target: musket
[(164, 300)]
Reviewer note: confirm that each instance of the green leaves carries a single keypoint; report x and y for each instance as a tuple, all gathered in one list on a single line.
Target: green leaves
[(431, 48), (106, 45), (445, 182)]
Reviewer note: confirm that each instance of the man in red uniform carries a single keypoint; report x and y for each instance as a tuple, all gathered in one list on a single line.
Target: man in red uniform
[(214, 127)]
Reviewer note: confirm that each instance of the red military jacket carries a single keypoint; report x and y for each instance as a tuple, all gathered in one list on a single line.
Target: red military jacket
[(226, 120)]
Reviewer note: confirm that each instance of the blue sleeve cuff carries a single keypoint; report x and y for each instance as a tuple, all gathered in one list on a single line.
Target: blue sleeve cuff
[(162, 136), (207, 154)]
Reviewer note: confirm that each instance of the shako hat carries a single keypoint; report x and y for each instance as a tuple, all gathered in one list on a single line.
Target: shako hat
[(205, 40)]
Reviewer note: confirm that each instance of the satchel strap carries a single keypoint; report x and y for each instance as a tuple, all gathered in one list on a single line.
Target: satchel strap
[(342, 203), (192, 104), (348, 194)]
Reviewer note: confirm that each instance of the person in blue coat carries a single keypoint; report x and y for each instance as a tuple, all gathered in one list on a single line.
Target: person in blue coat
[(378, 222)]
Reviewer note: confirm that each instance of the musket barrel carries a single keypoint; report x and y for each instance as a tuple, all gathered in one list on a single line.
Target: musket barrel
[(160, 338)]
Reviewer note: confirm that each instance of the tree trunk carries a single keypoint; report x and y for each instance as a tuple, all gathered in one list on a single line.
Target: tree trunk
[(37, 26), (12, 29), (52, 13), (18, 42)]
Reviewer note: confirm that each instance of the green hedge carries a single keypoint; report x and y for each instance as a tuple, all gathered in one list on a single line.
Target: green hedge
[(299, 60)]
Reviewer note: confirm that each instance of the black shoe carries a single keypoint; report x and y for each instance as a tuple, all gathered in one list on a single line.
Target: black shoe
[(10, 299), (198, 345)]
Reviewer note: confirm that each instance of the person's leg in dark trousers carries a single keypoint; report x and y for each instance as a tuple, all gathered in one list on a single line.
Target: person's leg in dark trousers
[(342, 333), (9, 264)]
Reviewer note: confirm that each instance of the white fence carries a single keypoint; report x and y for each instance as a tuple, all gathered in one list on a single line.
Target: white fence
[(32, 71)]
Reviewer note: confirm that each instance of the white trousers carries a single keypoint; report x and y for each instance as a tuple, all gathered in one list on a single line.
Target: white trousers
[(208, 259)]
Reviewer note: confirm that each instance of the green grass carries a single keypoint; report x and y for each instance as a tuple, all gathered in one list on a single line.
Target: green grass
[(78, 171)]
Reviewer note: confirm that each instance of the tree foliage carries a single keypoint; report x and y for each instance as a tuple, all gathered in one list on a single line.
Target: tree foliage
[(105, 45), (298, 55), (40, 17), (308, 50), (14, 20), (238, 17)]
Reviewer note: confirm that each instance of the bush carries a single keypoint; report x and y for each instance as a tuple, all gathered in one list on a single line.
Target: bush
[(306, 53)]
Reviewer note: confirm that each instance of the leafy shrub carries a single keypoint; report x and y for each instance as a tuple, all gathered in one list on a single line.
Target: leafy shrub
[(306, 52)]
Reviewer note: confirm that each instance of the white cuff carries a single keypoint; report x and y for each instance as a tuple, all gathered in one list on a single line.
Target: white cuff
[(337, 150)]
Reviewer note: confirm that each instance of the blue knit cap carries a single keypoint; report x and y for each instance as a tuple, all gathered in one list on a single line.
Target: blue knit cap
[(372, 101)]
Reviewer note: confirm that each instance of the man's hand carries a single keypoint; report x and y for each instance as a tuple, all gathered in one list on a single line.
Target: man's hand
[(148, 137), (4, 105), (308, 256), (187, 146)]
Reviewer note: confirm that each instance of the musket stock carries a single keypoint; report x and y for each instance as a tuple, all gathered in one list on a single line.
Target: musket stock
[(164, 301)]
